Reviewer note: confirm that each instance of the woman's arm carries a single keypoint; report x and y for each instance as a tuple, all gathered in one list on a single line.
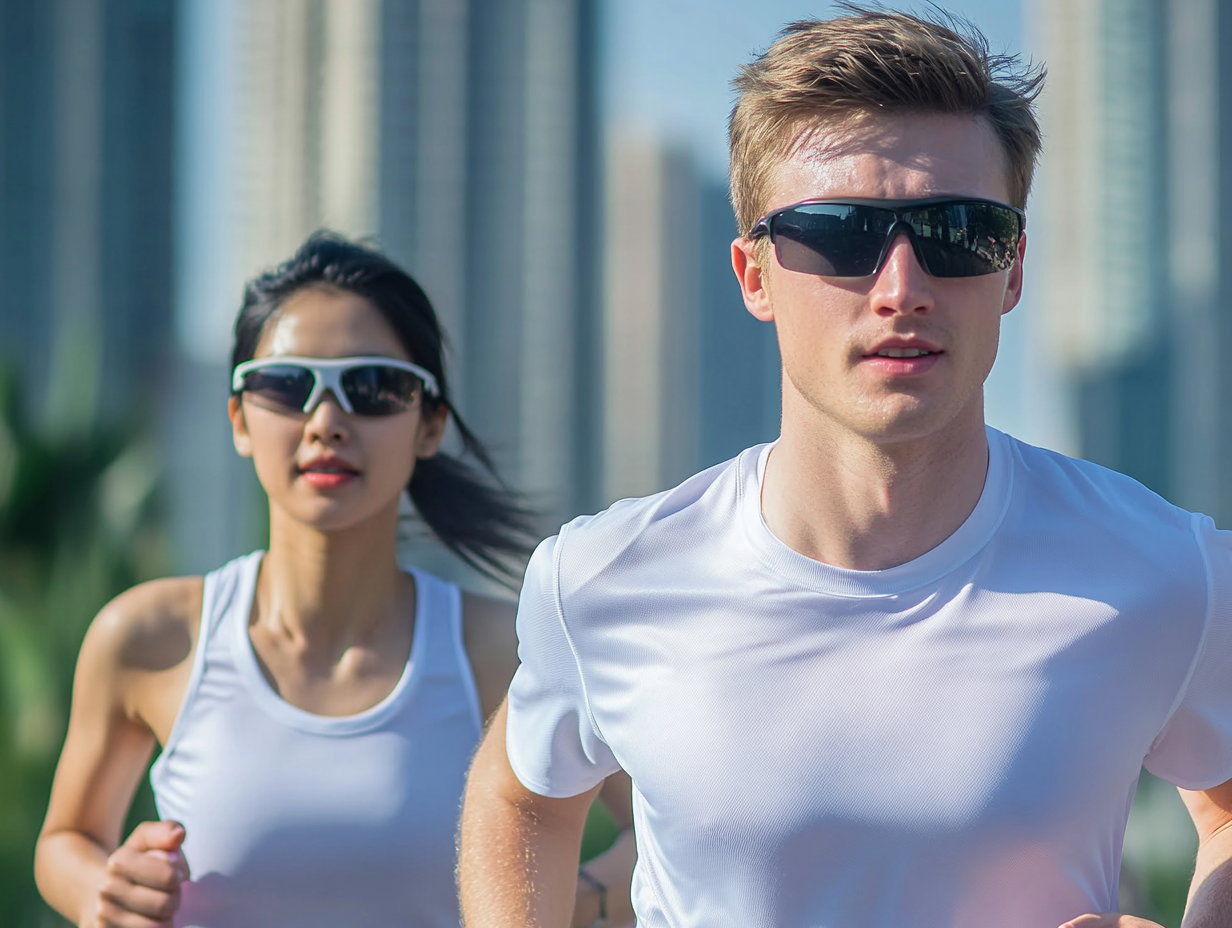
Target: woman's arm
[(492, 648), (131, 675)]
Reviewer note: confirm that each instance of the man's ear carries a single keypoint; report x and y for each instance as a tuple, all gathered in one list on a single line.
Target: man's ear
[(431, 431), (239, 427), (753, 279), (1013, 290)]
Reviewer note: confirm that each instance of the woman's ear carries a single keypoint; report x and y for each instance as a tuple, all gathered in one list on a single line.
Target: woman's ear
[(239, 427), (431, 431)]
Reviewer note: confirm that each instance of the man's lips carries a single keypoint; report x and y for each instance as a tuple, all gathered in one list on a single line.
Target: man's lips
[(903, 357), (903, 346)]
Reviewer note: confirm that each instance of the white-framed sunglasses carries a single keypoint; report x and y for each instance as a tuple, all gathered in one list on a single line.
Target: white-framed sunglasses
[(363, 386)]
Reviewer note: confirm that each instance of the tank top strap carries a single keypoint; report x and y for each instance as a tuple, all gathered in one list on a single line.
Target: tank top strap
[(444, 651), (230, 601), (225, 591)]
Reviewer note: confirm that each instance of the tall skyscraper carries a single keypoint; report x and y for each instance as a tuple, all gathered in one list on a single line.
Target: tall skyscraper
[(459, 133), (651, 324), (1097, 235), (85, 181), (690, 378), (1127, 239), (1199, 250), (490, 193), (277, 116)]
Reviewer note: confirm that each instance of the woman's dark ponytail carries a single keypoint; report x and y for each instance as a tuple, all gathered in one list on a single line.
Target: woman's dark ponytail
[(481, 521), (466, 506), (476, 520)]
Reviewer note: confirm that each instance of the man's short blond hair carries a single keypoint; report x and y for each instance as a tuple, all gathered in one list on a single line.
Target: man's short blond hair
[(822, 73)]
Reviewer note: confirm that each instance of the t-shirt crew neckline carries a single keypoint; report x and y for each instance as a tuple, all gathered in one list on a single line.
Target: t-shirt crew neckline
[(965, 543), (294, 717)]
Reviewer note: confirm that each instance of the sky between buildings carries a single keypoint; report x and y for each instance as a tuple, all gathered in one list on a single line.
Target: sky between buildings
[(669, 62)]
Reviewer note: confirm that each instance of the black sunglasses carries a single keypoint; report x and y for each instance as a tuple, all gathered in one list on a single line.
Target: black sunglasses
[(365, 386), (951, 237)]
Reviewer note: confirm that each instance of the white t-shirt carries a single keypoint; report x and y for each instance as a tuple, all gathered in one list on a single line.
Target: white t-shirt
[(950, 743)]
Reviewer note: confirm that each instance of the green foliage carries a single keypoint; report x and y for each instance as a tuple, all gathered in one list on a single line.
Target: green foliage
[(600, 833), (1157, 892), (77, 526), (1160, 844), (1166, 893)]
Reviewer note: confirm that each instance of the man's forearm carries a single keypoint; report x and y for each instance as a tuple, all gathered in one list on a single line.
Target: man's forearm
[(518, 852)]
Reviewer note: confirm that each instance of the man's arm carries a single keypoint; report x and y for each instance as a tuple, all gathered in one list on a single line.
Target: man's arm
[(518, 851)]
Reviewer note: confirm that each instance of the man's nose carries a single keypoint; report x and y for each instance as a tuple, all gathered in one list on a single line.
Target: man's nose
[(902, 285)]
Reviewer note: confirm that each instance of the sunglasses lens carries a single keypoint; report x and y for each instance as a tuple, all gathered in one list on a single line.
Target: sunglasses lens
[(965, 239), (831, 239), (377, 390), (284, 387), (957, 239)]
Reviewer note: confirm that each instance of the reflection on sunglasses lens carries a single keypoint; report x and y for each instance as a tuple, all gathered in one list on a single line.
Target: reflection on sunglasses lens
[(846, 240), (370, 389), (287, 387), (375, 390)]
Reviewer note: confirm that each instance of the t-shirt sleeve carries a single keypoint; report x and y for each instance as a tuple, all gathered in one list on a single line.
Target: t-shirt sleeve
[(551, 739), (1194, 751)]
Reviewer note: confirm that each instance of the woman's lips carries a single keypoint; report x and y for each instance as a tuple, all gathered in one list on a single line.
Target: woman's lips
[(327, 476)]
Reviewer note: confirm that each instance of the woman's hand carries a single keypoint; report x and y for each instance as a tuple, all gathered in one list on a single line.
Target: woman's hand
[(141, 888)]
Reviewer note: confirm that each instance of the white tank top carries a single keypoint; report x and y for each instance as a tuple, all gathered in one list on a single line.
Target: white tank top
[(295, 819)]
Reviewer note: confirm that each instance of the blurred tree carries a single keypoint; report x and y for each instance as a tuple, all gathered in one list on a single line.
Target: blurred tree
[(77, 526)]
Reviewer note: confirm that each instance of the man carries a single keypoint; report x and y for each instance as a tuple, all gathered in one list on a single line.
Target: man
[(896, 669)]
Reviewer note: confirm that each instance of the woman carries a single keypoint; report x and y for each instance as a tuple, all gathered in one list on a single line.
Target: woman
[(316, 705)]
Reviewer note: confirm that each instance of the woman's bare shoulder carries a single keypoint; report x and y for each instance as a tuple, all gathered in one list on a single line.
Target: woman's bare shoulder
[(151, 627), (491, 642), (136, 658)]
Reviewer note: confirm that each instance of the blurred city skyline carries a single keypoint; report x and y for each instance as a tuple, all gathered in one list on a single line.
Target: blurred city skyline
[(554, 173), (394, 120), (222, 131)]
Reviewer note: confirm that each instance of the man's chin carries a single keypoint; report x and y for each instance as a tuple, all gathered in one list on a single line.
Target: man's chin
[(908, 423)]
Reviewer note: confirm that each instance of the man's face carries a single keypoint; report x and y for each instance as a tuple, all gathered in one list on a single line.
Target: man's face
[(835, 333)]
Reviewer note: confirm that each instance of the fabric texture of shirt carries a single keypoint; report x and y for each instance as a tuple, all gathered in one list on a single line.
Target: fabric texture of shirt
[(950, 743), (296, 820)]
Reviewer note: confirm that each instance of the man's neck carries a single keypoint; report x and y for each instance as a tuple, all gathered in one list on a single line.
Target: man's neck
[(850, 502)]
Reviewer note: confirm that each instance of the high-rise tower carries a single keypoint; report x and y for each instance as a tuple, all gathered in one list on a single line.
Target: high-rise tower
[(1127, 239), (85, 180), (1098, 244), (461, 134)]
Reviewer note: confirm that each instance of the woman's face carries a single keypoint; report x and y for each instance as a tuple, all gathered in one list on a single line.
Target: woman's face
[(328, 468)]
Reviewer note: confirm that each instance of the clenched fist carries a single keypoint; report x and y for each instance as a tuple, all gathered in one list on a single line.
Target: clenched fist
[(142, 885)]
